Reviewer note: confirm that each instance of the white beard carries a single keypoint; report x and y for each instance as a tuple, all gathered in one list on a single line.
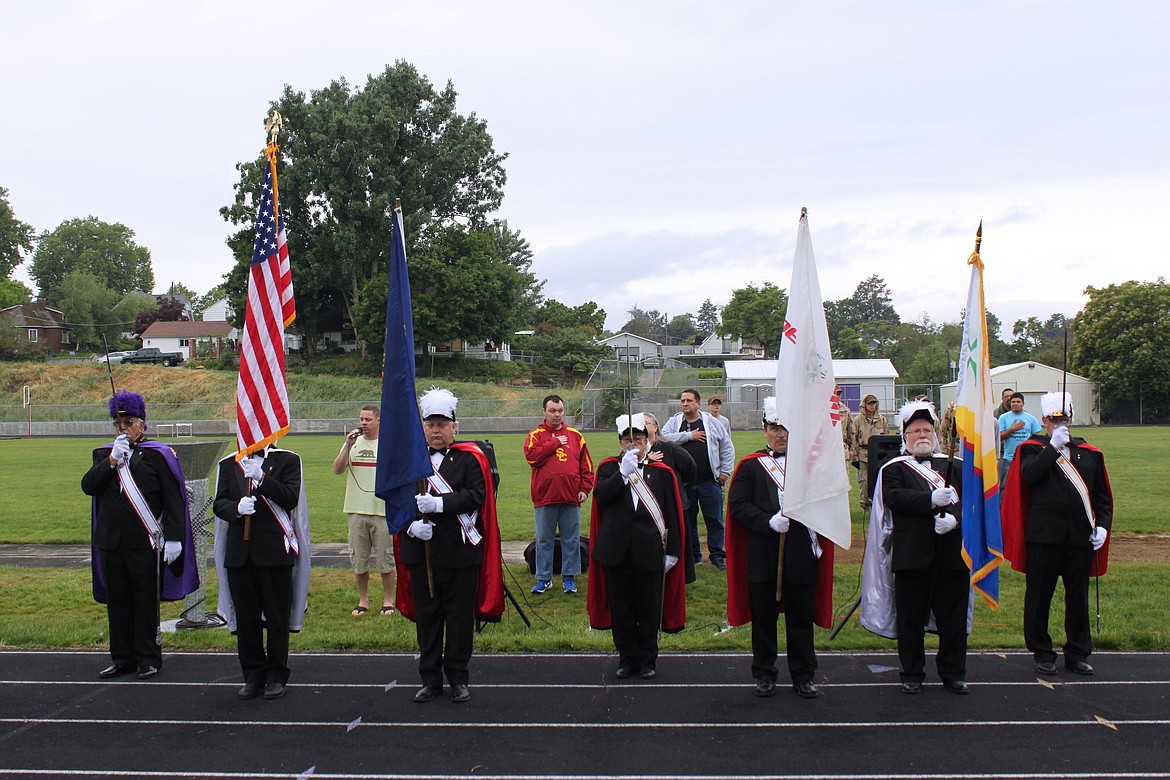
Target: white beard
[(923, 448)]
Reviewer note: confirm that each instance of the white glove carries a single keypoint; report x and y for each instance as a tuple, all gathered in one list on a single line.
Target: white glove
[(421, 529), (779, 523), (1060, 437), (247, 506), (1098, 537), (944, 496), (171, 551), (945, 524), (254, 468), (121, 449), (668, 562), (629, 463), (428, 504)]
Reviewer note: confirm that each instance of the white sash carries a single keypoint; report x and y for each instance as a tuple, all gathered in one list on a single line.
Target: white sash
[(927, 472), (286, 525), (774, 469), (642, 491), (471, 534), (138, 501), (1078, 483)]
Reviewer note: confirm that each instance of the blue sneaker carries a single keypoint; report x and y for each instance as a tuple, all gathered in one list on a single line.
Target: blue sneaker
[(541, 586), (569, 583)]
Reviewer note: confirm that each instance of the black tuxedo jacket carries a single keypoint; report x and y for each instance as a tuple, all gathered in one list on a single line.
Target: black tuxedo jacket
[(448, 550), (751, 502), (624, 532), (282, 486), (118, 524), (907, 497), (1057, 514)]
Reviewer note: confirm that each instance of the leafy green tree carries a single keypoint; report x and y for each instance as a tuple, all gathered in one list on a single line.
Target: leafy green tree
[(648, 323), (127, 310), (553, 315), (15, 236), (681, 328), (1123, 343), (459, 289), (347, 153), (848, 345), (566, 350), (756, 314), (168, 309), (707, 320), (13, 292), (104, 249), (88, 306)]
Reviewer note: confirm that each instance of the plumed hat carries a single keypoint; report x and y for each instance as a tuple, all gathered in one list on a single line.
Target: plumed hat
[(1058, 406), (623, 423), (912, 410), (125, 402), (438, 402), (771, 415)]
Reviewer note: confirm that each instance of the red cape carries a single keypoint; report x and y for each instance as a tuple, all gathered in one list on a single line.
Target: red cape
[(1013, 513), (489, 601), (674, 589), (739, 609)]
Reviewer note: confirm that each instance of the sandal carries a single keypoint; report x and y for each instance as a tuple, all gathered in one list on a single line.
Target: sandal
[(387, 610), (359, 610)]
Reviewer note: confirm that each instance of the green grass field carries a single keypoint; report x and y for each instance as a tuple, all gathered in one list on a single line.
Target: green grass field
[(41, 502)]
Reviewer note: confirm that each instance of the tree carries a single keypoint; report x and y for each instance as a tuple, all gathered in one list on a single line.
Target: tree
[(13, 292), (168, 309), (848, 344), (756, 314), (88, 305), (681, 328), (126, 312), (871, 301), (553, 315), (346, 155), (104, 249), (14, 237), (459, 290), (648, 323), (707, 320), (1123, 343), (564, 338)]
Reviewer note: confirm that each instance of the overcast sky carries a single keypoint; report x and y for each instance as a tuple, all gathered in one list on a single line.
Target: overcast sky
[(659, 152)]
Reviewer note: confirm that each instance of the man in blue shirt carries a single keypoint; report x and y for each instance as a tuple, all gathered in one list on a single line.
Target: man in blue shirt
[(1014, 427)]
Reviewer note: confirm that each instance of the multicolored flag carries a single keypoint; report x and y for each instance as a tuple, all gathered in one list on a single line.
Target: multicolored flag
[(816, 489), (262, 407), (402, 448), (975, 421)]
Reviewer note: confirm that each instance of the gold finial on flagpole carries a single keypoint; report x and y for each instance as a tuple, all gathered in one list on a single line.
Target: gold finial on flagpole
[(803, 212), (978, 236), (272, 126)]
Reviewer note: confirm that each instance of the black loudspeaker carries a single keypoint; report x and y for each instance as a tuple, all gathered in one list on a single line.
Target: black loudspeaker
[(882, 447), (530, 555)]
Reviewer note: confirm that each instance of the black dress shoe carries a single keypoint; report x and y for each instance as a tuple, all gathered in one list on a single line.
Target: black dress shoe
[(273, 689), (647, 672), (1080, 667), (805, 690), (116, 670), (765, 687), (146, 672), (1046, 667), (957, 686), (459, 693), (911, 687), (427, 692), (719, 564), (623, 671), (250, 690)]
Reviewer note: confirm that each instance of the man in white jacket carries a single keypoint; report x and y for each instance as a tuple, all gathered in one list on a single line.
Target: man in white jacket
[(707, 441)]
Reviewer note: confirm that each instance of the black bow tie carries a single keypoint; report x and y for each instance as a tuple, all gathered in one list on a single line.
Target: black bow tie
[(436, 452)]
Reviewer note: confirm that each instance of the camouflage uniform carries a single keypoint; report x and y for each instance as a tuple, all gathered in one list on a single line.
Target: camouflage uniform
[(847, 430), (865, 427)]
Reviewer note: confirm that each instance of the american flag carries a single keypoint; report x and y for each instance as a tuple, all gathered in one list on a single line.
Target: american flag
[(262, 408)]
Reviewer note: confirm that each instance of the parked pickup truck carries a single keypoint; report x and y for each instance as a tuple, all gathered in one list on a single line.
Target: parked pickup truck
[(153, 355)]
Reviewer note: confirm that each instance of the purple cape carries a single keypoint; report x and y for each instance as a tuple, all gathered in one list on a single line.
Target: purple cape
[(180, 577)]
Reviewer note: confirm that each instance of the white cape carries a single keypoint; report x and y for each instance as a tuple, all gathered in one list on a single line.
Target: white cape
[(878, 612), (300, 572)]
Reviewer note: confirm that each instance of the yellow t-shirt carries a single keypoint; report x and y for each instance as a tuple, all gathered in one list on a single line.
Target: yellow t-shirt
[(359, 479)]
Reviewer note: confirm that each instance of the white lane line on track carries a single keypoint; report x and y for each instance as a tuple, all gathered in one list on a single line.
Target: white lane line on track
[(581, 725), (368, 776), (630, 686)]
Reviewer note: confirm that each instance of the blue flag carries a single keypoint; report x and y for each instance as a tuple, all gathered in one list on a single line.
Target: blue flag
[(402, 448)]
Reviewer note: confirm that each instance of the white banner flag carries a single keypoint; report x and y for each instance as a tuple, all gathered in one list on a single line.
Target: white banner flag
[(817, 489)]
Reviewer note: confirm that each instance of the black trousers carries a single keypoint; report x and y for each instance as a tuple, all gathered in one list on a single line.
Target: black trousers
[(444, 623), (132, 606), (798, 630), (1046, 564), (946, 593), (635, 603), (262, 596)]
